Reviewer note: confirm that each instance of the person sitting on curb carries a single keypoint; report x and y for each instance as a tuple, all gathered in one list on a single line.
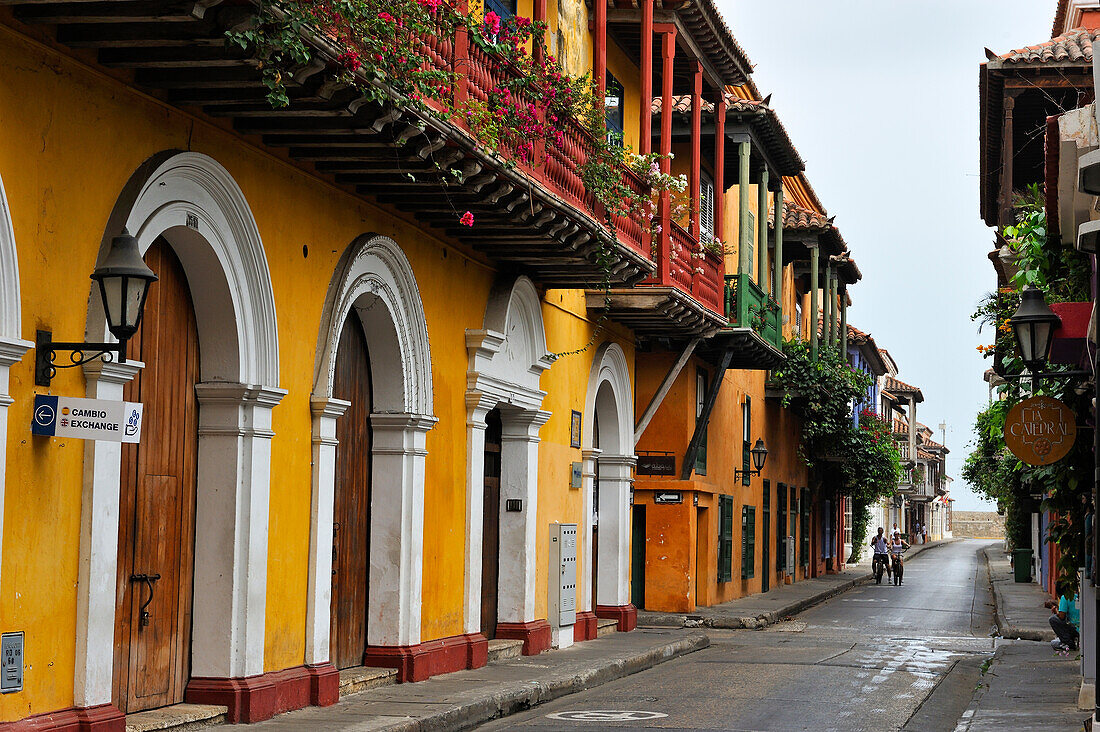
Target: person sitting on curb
[(1065, 620)]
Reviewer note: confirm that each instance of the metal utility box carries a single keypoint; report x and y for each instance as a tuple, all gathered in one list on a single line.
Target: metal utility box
[(11, 662), (790, 556), (563, 575)]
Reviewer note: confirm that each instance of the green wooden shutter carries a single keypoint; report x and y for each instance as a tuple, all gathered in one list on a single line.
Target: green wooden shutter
[(746, 440), (804, 548), (725, 539), (701, 382), (748, 542), (781, 528)]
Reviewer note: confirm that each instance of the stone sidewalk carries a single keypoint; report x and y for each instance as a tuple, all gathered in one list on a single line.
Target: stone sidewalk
[(763, 609), (467, 698), (1027, 686)]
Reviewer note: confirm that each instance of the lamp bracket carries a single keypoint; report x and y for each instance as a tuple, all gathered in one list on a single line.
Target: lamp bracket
[(46, 350), (738, 473)]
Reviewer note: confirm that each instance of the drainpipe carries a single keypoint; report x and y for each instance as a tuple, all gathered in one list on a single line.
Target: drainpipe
[(814, 294)]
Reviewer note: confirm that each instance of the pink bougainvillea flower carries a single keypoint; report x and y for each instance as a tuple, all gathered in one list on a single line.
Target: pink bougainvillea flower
[(467, 219), (492, 23), (385, 16), (349, 60)]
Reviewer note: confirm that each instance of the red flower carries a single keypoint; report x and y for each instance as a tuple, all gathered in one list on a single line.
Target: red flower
[(467, 218), (385, 16), (349, 60)]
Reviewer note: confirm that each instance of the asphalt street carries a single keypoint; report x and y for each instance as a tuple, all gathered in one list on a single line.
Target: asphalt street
[(878, 657)]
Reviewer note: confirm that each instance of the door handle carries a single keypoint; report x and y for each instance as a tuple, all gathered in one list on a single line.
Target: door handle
[(148, 579)]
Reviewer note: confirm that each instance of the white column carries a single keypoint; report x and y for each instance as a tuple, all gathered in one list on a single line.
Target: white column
[(97, 570), (397, 527), (319, 591), (588, 475), (518, 529), (231, 516), (11, 351), (614, 549), (476, 408)]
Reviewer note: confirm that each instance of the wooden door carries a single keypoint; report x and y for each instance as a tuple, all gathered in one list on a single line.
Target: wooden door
[(156, 528), (490, 537), (766, 566), (637, 556), (351, 509)]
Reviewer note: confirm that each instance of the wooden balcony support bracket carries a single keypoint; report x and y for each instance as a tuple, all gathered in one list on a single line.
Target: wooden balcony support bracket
[(696, 146), (744, 236), (815, 271), (777, 285), (663, 389), (704, 418), (762, 232)]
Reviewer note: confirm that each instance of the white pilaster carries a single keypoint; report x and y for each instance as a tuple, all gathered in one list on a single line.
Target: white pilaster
[(614, 549), (231, 516), (519, 480), (476, 409), (397, 527), (319, 591), (98, 565)]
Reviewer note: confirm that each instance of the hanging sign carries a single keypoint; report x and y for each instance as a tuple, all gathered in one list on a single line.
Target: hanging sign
[(86, 419), (1040, 430)]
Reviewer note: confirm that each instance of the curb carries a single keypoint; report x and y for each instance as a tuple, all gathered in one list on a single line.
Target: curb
[(1009, 632), (757, 622), (530, 694)]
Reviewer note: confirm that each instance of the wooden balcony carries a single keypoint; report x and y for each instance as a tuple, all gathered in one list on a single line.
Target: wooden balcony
[(538, 219), (686, 303), (755, 325)]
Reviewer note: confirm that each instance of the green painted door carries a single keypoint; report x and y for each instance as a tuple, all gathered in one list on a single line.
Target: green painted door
[(637, 557)]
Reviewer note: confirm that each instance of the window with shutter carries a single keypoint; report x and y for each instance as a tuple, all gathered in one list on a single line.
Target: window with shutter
[(504, 8), (781, 527), (804, 548), (706, 208), (746, 444), (748, 541), (725, 538), (614, 109), (748, 242)]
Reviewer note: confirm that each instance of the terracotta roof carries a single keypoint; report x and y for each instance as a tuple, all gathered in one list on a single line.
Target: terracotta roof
[(1073, 47), (758, 115), (1059, 17), (896, 386), (924, 455), (802, 219), (857, 337)]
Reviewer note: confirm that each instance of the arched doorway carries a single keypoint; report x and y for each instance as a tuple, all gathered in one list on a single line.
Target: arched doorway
[(609, 452), (352, 499), (156, 532), (372, 409), (187, 205)]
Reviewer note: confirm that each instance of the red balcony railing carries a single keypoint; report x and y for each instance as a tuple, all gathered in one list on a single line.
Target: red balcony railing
[(480, 72), (698, 274)]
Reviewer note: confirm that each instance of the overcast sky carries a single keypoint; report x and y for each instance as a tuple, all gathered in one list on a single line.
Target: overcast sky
[(881, 99)]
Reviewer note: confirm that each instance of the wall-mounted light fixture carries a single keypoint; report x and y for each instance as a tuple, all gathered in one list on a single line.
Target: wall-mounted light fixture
[(759, 454), (124, 280)]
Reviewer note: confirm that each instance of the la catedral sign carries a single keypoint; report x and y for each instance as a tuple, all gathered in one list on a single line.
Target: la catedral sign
[(1040, 430), (86, 419)]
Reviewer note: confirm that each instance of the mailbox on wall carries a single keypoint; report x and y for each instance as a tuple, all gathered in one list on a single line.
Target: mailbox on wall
[(563, 575)]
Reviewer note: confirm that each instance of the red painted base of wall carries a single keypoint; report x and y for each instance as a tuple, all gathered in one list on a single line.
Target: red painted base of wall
[(100, 718), (625, 615), (431, 658), (535, 635), (324, 684), (585, 629)]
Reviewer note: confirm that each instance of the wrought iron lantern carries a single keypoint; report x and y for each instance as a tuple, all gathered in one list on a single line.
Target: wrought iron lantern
[(759, 454), (123, 279), (1034, 324)]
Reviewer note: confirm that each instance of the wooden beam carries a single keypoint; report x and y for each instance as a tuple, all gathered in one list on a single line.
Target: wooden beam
[(663, 389), (701, 422)]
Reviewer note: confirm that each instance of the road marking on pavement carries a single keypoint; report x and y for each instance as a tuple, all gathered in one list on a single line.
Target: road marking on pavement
[(605, 715)]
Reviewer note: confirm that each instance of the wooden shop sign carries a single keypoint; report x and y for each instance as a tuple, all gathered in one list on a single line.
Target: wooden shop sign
[(656, 464), (1040, 430)]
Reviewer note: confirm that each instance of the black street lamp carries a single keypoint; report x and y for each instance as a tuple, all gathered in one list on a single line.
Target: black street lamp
[(124, 280), (759, 454), (1034, 324)]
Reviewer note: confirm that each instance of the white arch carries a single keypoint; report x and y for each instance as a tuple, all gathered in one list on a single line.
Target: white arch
[(194, 204), (12, 347), (506, 360), (374, 278), (610, 394)]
